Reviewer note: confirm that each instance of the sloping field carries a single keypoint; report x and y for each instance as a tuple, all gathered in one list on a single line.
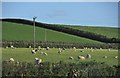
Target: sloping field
[(14, 31), (106, 31), (102, 34)]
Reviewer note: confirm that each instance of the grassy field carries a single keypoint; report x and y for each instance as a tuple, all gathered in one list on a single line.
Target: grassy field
[(106, 31), (13, 31), (24, 54), (109, 32)]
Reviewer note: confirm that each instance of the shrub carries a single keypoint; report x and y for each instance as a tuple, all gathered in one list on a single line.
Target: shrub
[(60, 69)]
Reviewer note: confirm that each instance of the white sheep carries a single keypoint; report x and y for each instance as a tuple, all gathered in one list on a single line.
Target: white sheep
[(74, 48), (116, 57), (11, 60), (71, 58), (12, 46), (6, 47), (81, 51), (41, 52), (81, 57), (39, 48), (85, 47), (92, 50), (36, 58), (33, 51), (29, 46), (43, 48), (100, 48), (17, 63), (36, 50), (45, 54), (105, 56), (108, 49), (59, 48), (59, 51), (38, 61), (88, 56), (47, 48)]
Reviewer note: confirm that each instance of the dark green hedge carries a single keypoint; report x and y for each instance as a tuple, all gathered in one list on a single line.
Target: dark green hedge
[(59, 70), (26, 44)]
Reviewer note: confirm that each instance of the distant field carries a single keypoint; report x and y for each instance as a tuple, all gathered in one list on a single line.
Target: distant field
[(106, 31), (14, 31), (24, 54)]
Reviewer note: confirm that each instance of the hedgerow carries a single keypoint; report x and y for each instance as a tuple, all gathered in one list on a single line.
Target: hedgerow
[(59, 70), (26, 44)]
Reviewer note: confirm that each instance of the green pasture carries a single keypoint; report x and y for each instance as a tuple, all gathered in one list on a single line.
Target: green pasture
[(106, 31), (24, 54), (14, 31), (109, 32)]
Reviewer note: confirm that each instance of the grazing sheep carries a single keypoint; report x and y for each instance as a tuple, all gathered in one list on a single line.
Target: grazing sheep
[(85, 47), (45, 54), (36, 58), (29, 46), (6, 47), (41, 52), (59, 48), (11, 60), (59, 51), (75, 75), (36, 50), (81, 51), (12, 46), (39, 48), (116, 57), (71, 58), (47, 48), (17, 63), (92, 50), (43, 48), (38, 61), (33, 52), (108, 49), (100, 48), (88, 56), (81, 57), (74, 48), (105, 56)]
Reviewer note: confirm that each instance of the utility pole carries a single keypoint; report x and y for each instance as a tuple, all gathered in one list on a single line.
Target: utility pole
[(34, 32), (45, 34)]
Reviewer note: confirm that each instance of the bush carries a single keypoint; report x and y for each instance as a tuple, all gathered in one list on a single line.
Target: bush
[(59, 70), (26, 44)]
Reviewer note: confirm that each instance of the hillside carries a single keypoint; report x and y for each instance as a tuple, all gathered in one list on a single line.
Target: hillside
[(68, 30), (109, 32), (14, 31), (106, 31)]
